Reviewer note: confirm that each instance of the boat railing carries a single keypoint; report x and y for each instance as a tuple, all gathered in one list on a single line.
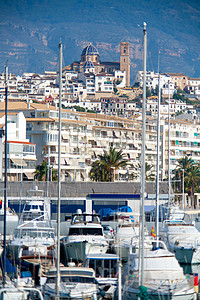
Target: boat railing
[(160, 243), (174, 222), (31, 291), (30, 221)]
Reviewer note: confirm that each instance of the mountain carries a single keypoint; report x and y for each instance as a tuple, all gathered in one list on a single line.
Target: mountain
[(30, 32)]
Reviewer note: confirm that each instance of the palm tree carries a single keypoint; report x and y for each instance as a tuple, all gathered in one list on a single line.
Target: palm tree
[(149, 174), (192, 179), (104, 168), (98, 172), (42, 170), (192, 175), (185, 163)]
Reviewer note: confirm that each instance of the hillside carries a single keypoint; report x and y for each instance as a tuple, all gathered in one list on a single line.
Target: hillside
[(30, 32)]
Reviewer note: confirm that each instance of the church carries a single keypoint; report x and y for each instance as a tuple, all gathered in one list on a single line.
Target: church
[(90, 62)]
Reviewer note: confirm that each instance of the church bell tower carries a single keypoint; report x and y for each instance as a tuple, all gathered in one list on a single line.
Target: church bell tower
[(125, 60)]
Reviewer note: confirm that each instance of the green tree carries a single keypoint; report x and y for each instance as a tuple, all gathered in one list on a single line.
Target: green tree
[(42, 170), (104, 168), (191, 176), (149, 174), (192, 179), (148, 92), (99, 172)]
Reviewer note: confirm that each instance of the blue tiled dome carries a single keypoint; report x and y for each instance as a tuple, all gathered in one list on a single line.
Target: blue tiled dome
[(90, 50), (89, 64)]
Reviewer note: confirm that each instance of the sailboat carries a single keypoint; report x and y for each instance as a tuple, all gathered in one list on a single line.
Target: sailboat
[(154, 272), (8, 290)]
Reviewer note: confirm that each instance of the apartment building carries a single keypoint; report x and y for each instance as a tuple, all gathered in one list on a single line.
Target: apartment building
[(180, 80), (104, 82), (152, 81), (193, 86), (184, 140), (84, 136), (21, 154), (176, 106)]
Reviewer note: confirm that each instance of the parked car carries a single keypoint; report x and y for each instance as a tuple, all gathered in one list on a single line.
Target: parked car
[(108, 231)]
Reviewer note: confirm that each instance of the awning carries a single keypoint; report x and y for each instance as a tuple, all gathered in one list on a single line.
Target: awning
[(19, 162), (65, 136), (29, 175)]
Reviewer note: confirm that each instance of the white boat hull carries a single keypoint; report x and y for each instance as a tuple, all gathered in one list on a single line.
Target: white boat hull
[(76, 292), (132, 293), (79, 250)]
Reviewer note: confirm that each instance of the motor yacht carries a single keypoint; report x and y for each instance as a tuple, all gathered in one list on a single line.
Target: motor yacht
[(183, 240), (75, 283), (106, 271), (163, 276), (85, 237), (33, 242)]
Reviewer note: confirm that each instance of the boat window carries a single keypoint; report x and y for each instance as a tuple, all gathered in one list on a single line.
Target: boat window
[(78, 279), (34, 234), (51, 280), (86, 231), (46, 234), (27, 208), (41, 207), (109, 267)]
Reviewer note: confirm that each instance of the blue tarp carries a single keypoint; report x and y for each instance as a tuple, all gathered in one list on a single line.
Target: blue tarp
[(104, 212), (149, 208), (124, 209), (9, 267), (25, 274)]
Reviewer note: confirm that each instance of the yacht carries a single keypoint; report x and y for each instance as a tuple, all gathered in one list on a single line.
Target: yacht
[(126, 236), (75, 283), (33, 241), (19, 292), (85, 236), (12, 220), (106, 271), (163, 276), (183, 240)]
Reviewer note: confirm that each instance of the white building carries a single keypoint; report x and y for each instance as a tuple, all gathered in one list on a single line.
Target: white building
[(104, 82), (152, 82), (94, 105), (89, 82), (193, 86), (21, 157), (84, 136), (120, 78)]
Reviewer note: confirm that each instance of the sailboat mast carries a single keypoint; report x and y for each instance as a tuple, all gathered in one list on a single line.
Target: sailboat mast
[(158, 161), (59, 173), (5, 175), (169, 175), (141, 243)]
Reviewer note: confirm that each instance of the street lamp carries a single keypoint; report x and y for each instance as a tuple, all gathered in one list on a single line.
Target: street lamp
[(183, 196)]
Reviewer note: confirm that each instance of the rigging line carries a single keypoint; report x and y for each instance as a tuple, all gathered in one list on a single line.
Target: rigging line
[(150, 58)]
